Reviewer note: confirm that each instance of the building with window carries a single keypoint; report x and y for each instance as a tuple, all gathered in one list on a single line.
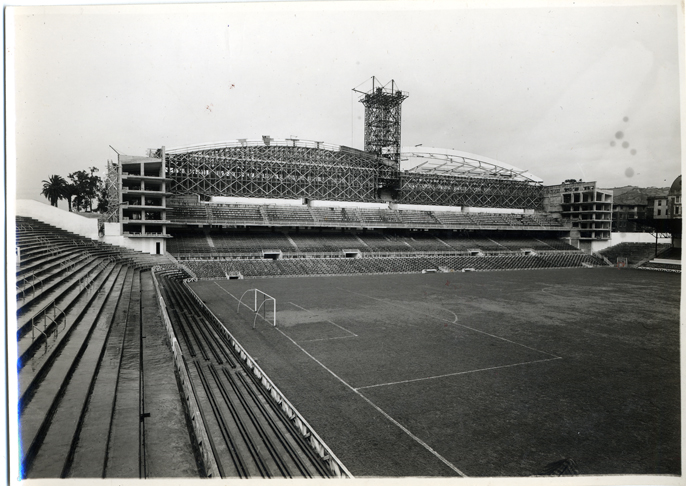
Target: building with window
[(626, 215), (657, 207)]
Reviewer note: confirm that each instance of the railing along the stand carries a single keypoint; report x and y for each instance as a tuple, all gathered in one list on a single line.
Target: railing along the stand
[(335, 465)]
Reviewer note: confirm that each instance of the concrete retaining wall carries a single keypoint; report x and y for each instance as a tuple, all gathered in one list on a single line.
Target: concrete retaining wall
[(60, 218)]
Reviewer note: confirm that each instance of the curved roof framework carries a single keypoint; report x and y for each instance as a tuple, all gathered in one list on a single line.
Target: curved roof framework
[(445, 162), (265, 141), (291, 168)]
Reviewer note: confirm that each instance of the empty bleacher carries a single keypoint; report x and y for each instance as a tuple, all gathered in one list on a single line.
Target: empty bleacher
[(329, 215), (188, 242), (248, 241), (235, 214), (290, 267), (188, 214), (418, 218), (384, 243), (90, 396), (290, 214), (473, 243), (421, 241), (195, 243), (81, 366), (453, 218), (294, 215), (556, 244), (378, 216), (325, 242), (516, 244)]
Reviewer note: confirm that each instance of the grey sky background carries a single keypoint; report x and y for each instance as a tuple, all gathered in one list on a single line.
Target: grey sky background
[(545, 89)]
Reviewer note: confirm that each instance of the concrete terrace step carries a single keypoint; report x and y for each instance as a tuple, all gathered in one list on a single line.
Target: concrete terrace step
[(46, 273), (52, 459), (56, 290), (123, 448), (90, 451), (41, 261), (55, 334), (41, 393)]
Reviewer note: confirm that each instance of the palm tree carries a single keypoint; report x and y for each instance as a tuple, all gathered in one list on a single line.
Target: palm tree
[(70, 191), (54, 189)]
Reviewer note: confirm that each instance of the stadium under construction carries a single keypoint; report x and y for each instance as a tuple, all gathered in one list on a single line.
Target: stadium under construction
[(297, 186), (154, 342)]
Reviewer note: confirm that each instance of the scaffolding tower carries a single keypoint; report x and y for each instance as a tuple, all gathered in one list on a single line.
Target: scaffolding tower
[(112, 193), (382, 117)]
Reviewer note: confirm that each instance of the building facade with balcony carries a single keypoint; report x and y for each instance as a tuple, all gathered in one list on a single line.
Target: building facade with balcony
[(588, 208)]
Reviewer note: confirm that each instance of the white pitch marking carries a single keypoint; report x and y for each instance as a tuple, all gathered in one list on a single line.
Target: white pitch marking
[(457, 373), (327, 339), (401, 427), (232, 295), (453, 322), (308, 310)]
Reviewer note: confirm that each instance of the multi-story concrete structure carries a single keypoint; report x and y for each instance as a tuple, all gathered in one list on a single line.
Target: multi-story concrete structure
[(588, 208), (141, 220)]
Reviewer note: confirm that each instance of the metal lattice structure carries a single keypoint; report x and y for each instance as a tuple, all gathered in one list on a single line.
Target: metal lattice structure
[(444, 190), (382, 127), (274, 168), (112, 191), (290, 168), (456, 178), (434, 161)]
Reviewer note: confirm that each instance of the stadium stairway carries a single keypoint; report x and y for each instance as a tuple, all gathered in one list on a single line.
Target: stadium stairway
[(250, 434), (85, 407)]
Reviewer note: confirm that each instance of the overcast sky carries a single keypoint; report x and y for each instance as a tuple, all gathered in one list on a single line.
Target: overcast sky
[(587, 93)]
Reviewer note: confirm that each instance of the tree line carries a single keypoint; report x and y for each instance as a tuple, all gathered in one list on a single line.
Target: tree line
[(80, 189)]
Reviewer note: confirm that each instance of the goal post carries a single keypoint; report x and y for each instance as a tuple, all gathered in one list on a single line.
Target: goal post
[(261, 305)]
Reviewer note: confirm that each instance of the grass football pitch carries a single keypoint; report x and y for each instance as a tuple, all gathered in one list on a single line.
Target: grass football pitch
[(475, 374)]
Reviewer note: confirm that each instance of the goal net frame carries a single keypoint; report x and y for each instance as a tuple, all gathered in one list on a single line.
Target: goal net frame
[(260, 303)]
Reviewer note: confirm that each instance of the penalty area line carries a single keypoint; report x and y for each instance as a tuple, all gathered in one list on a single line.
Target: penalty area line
[(391, 419), (453, 322), (457, 373), (327, 339), (327, 320)]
